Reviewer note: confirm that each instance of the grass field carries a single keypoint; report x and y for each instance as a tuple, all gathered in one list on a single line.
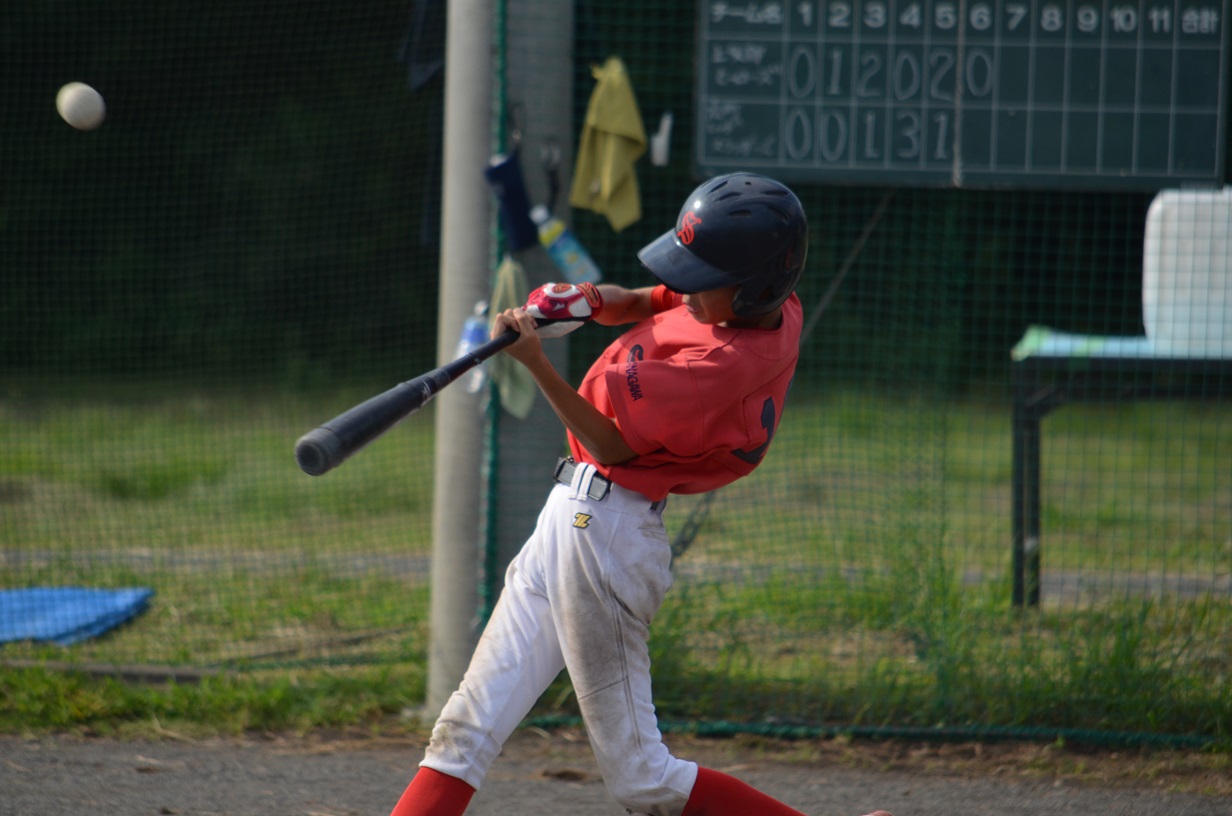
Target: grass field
[(861, 576)]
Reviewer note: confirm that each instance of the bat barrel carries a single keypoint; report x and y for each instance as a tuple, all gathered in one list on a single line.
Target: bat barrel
[(325, 447), (318, 451)]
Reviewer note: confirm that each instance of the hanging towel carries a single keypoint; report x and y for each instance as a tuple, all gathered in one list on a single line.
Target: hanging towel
[(612, 140), (514, 383)]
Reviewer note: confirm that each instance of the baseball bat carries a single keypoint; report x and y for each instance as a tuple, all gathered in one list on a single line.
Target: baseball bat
[(328, 445)]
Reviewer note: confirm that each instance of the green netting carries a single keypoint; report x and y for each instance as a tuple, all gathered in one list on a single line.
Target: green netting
[(251, 243), (247, 245)]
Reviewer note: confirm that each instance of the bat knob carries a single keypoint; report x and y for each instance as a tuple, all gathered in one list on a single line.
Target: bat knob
[(318, 451)]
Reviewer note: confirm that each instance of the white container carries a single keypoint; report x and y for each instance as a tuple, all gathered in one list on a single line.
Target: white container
[(1187, 273)]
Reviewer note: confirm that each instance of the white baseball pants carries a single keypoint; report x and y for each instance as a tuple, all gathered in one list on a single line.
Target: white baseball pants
[(580, 595)]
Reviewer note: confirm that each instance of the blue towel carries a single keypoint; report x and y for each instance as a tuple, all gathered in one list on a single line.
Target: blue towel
[(67, 615)]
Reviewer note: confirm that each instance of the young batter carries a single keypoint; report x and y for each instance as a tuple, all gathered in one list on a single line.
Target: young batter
[(686, 401)]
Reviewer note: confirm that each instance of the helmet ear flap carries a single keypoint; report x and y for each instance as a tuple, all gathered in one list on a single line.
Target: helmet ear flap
[(768, 288)]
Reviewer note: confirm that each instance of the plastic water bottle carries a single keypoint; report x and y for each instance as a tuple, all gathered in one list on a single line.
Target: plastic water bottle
[(474, 334), (566, 251)]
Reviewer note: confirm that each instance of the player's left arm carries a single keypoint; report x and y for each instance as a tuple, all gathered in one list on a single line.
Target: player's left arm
[(596, 432), (621, 305)]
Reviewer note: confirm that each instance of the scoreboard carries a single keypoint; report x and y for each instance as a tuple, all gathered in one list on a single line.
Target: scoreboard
[(1094, 94)]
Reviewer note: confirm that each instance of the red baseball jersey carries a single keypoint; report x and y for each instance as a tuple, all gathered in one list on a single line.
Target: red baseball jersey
[(698, 403)]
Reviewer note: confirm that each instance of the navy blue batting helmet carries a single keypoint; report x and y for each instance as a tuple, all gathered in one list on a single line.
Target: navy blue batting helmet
[(738, 229)]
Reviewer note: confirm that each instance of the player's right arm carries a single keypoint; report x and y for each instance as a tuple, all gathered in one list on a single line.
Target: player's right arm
[(596, 432)]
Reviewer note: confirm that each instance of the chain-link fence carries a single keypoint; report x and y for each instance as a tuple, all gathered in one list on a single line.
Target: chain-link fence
[(994, 503)]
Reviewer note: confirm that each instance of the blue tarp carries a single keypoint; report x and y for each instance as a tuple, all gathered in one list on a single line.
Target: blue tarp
[(67, 615)]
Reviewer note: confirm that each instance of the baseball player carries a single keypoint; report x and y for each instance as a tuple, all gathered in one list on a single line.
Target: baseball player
[(685, 401)]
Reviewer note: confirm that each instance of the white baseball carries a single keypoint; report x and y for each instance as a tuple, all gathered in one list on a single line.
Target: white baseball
[(81, 106)]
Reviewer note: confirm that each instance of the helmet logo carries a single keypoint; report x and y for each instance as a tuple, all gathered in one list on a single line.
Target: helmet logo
[(687, 222)]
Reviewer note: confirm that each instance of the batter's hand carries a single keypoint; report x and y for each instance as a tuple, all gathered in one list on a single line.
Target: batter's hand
[(559, 308), (526, 347)]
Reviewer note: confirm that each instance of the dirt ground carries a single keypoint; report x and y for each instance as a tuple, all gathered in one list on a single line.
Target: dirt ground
[(553, 774)]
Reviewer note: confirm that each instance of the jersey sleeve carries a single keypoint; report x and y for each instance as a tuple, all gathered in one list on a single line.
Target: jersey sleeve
[(662, 299)]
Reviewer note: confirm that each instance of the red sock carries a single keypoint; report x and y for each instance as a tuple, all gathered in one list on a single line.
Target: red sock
[(717, 794), (432, 793)]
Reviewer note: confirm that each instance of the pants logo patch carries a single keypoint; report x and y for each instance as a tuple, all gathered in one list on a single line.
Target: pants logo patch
[(581, 520)]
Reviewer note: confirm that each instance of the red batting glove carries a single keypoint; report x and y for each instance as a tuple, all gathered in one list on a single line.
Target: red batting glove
[(559, 308)]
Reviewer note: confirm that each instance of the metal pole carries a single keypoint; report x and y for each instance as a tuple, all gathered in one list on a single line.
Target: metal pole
[(1018, 494), (1027, 415), (539, 77), (464, 274)]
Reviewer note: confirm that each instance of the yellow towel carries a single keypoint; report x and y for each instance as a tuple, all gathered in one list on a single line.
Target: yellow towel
[(514, 383), (612, 140)]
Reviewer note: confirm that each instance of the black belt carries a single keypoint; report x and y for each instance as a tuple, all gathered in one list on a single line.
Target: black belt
[(599, 486)]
